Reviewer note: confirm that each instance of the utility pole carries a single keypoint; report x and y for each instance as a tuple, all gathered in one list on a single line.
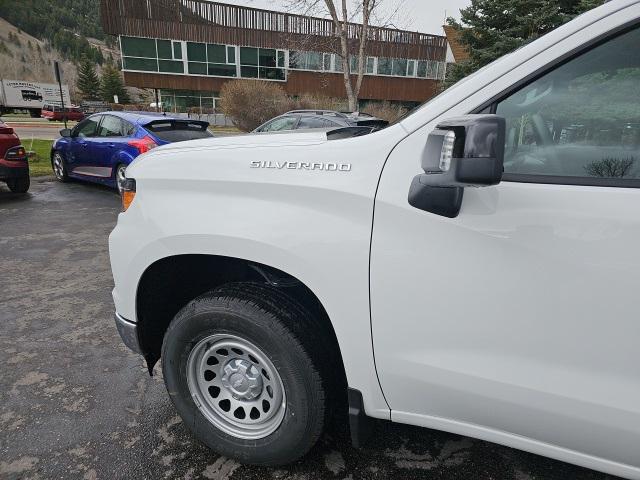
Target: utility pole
[(56, 69)]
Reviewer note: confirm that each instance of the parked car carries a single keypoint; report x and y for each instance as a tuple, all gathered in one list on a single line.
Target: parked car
[(14, 167), (314, 119), (55, 112), (99, 148), (465, 269)]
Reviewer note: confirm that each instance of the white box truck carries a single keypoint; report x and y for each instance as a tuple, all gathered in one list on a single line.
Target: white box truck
[(30, 96)]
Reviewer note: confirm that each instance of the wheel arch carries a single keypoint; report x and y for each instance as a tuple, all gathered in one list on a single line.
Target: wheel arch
[(162, 292), (121, 157)]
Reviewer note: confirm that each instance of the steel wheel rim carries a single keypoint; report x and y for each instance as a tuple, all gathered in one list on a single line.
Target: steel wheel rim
[(121, 177), (236, 387), (58, 166)]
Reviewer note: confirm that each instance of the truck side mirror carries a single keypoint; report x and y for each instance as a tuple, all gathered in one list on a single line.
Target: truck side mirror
[(465, 151), (65, 132)]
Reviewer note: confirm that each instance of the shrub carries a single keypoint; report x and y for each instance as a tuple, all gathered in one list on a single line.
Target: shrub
[(385, 110), (250, 103), (309, 101)]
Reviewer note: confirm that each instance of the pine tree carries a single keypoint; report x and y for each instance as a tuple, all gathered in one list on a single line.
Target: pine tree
[(112, 84), (492, 28), (88, 83)]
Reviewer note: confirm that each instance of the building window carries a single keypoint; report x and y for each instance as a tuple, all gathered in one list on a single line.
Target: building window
[(267, 57), (431, 69), (170, 66), (211, 59), (371, 65), (177, 50), (385, 66), (197, 52), (248, 56), (314, 61), (262, 63), (422, 69), (216, 53), (411, 68), (326, 62), (150, 55), (138, 47), (139, 54), (188, 100), (164, 49), (306, 60), (353, 64), (399, 68)]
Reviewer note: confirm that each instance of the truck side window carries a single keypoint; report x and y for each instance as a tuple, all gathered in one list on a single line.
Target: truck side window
[(580, 120)]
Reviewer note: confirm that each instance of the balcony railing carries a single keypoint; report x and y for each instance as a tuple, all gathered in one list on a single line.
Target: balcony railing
[(201, 20)]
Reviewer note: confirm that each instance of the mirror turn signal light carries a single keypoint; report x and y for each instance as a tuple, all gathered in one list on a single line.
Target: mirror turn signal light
[(448, 142), (128, 193)]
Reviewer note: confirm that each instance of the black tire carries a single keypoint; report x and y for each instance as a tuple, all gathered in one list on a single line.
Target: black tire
[(116, 176), (19, 185), (263, 316), (61, 175)]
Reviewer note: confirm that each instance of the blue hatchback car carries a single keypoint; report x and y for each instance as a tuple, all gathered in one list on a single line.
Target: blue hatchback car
[(99, 148)]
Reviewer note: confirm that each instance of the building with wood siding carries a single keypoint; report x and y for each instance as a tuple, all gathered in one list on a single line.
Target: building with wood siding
[(187, 49)]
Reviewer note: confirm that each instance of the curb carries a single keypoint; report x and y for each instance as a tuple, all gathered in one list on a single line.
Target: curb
[(34, 124)]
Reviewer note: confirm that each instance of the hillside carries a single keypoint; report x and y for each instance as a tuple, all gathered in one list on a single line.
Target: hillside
[(24, 57), (64, 24)]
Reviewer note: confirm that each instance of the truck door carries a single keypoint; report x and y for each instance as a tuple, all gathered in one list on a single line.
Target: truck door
[(517, 321)]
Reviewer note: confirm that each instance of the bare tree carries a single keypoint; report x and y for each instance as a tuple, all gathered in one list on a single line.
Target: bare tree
[(343, 13)]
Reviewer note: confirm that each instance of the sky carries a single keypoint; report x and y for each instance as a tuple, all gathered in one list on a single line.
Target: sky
[(426, 16)]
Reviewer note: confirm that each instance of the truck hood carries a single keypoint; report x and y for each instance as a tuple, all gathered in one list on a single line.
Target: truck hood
[(205, 146), (247, 141), (298, 156)]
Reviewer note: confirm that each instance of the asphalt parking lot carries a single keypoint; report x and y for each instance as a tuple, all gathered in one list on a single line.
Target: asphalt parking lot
[(75, 403)]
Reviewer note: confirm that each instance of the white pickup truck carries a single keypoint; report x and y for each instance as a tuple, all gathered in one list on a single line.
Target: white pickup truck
[(472, 268)]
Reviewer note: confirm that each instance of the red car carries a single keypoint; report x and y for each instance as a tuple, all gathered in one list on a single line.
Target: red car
[(54, 112), (14, 168)]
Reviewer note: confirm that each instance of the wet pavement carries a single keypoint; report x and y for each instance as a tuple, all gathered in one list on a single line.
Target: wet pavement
[(75, 403)]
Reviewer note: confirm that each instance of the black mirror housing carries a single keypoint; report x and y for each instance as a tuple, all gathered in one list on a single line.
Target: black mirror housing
[(466, 151), (477, 153), (65, 132)]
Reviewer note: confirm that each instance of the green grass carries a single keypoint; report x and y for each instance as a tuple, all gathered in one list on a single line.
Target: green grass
[(40, 163)]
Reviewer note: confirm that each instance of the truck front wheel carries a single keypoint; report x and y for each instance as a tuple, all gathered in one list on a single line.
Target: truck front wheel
[(242, 378)]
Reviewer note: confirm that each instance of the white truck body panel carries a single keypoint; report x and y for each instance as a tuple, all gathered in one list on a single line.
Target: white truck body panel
[(21, 94), (312, 224), (436, 366)]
